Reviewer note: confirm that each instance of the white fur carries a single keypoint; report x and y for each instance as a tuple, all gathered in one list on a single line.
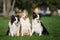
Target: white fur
[(25, 26), (14, 30), (36, 26)]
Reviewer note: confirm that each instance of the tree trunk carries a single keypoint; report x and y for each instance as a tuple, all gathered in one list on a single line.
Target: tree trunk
[(13, 5), (6, 7)]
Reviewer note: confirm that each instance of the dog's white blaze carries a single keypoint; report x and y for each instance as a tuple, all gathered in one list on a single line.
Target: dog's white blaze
[(37, 17), (24, 14), (16, 19)]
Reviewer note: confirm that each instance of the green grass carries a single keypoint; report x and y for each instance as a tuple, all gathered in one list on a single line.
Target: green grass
[(52, 24)]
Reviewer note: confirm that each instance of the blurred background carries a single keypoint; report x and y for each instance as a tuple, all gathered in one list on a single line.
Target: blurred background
[(8, 7)]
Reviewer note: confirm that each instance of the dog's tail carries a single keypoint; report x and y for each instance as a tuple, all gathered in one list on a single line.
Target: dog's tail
[(44, 30), (7, 33)]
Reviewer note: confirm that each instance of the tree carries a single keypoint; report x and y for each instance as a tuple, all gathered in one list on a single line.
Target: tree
[(4, 7), (7, 7)]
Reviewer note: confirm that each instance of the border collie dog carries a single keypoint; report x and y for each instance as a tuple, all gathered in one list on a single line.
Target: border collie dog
[(14, 26), (37, 25), (25, 24)]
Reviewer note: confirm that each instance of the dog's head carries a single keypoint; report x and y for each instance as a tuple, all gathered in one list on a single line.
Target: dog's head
[(15, 19), (36, 17), (24, 14)]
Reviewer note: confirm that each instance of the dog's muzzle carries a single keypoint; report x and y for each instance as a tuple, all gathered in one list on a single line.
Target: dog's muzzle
[(37, 20), (16, 24), (24, 18)]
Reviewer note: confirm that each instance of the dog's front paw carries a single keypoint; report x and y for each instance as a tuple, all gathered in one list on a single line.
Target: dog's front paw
[(9, 34), (12, 35), (31, 34), (40, 34)]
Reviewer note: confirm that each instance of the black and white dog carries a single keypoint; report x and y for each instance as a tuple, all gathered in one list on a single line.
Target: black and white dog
[(37, 25), (14, 26)]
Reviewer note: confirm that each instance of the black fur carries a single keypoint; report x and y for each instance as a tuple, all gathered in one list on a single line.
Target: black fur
[(8, 31), (34, 15), (12, 19), (44, 29)]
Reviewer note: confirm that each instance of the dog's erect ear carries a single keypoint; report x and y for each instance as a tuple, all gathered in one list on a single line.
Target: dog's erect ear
[(12, 17)]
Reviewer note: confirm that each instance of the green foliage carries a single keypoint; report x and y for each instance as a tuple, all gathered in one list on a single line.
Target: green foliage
[(53, 4)]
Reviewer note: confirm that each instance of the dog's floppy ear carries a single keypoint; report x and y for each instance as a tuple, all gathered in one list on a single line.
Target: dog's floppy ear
[(12, 19), (34, 15), (21, 13)]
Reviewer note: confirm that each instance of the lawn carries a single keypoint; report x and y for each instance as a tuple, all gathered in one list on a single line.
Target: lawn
[(51, 23)]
